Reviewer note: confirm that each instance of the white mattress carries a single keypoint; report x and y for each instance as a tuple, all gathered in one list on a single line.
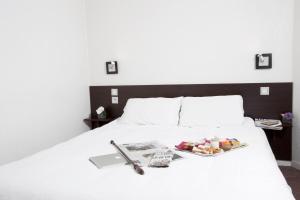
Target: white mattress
[(64, 172)]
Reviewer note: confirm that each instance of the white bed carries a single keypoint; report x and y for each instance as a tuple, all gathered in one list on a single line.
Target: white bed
[(63, 172)]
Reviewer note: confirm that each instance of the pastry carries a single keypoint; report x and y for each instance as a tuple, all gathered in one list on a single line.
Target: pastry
[(226, 145), (235, 143)]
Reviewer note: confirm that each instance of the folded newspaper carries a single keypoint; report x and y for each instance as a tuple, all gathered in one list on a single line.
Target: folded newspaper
[(150, 154), (269, 124)]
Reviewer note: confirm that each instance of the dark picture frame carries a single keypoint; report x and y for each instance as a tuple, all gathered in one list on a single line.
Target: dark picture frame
[(259, 65), (112, 67)]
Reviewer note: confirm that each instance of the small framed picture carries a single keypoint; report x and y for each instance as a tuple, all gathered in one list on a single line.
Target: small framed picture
[(263, 61), (112, 67)]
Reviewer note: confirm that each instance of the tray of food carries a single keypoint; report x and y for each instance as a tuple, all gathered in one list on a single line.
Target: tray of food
[(210, 147)]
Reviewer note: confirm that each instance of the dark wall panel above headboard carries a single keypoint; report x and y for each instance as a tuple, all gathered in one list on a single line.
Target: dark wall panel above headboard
[(255, 105)]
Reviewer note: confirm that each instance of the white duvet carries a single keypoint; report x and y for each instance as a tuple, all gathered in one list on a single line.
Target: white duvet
[(64, 172)]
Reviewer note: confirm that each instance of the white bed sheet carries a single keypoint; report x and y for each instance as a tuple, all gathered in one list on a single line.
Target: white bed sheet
[(63, 172)]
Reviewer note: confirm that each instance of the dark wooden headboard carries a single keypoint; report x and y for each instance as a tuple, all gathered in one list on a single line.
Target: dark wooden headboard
[(256, 106)]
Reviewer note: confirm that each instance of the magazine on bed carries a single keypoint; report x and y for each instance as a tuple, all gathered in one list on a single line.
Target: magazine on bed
[(152, 154), (148, 152)]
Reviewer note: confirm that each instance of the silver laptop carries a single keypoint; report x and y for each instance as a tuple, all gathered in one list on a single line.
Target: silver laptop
[(107, 160)]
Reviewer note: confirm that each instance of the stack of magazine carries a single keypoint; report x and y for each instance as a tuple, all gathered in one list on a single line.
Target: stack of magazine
[(144, 154), (269, 124)]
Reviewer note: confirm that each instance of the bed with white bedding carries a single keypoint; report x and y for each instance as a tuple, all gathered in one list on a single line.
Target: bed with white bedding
[(64, 172)]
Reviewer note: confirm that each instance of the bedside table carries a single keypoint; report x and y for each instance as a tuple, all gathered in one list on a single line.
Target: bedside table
[(281, 142), (96, 123)]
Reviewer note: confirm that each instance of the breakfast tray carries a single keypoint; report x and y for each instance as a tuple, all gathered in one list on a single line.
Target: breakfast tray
[(242, 145)]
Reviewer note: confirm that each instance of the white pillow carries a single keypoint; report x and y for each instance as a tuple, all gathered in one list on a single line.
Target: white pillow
[(152, 111), (212, 111)]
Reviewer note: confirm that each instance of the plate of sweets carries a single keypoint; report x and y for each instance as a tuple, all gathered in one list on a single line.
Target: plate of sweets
[(210, 147)]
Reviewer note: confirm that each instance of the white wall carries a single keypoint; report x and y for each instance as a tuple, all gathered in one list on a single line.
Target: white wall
[(43, 74), (43, 55), (296, 72), (191, 41)]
